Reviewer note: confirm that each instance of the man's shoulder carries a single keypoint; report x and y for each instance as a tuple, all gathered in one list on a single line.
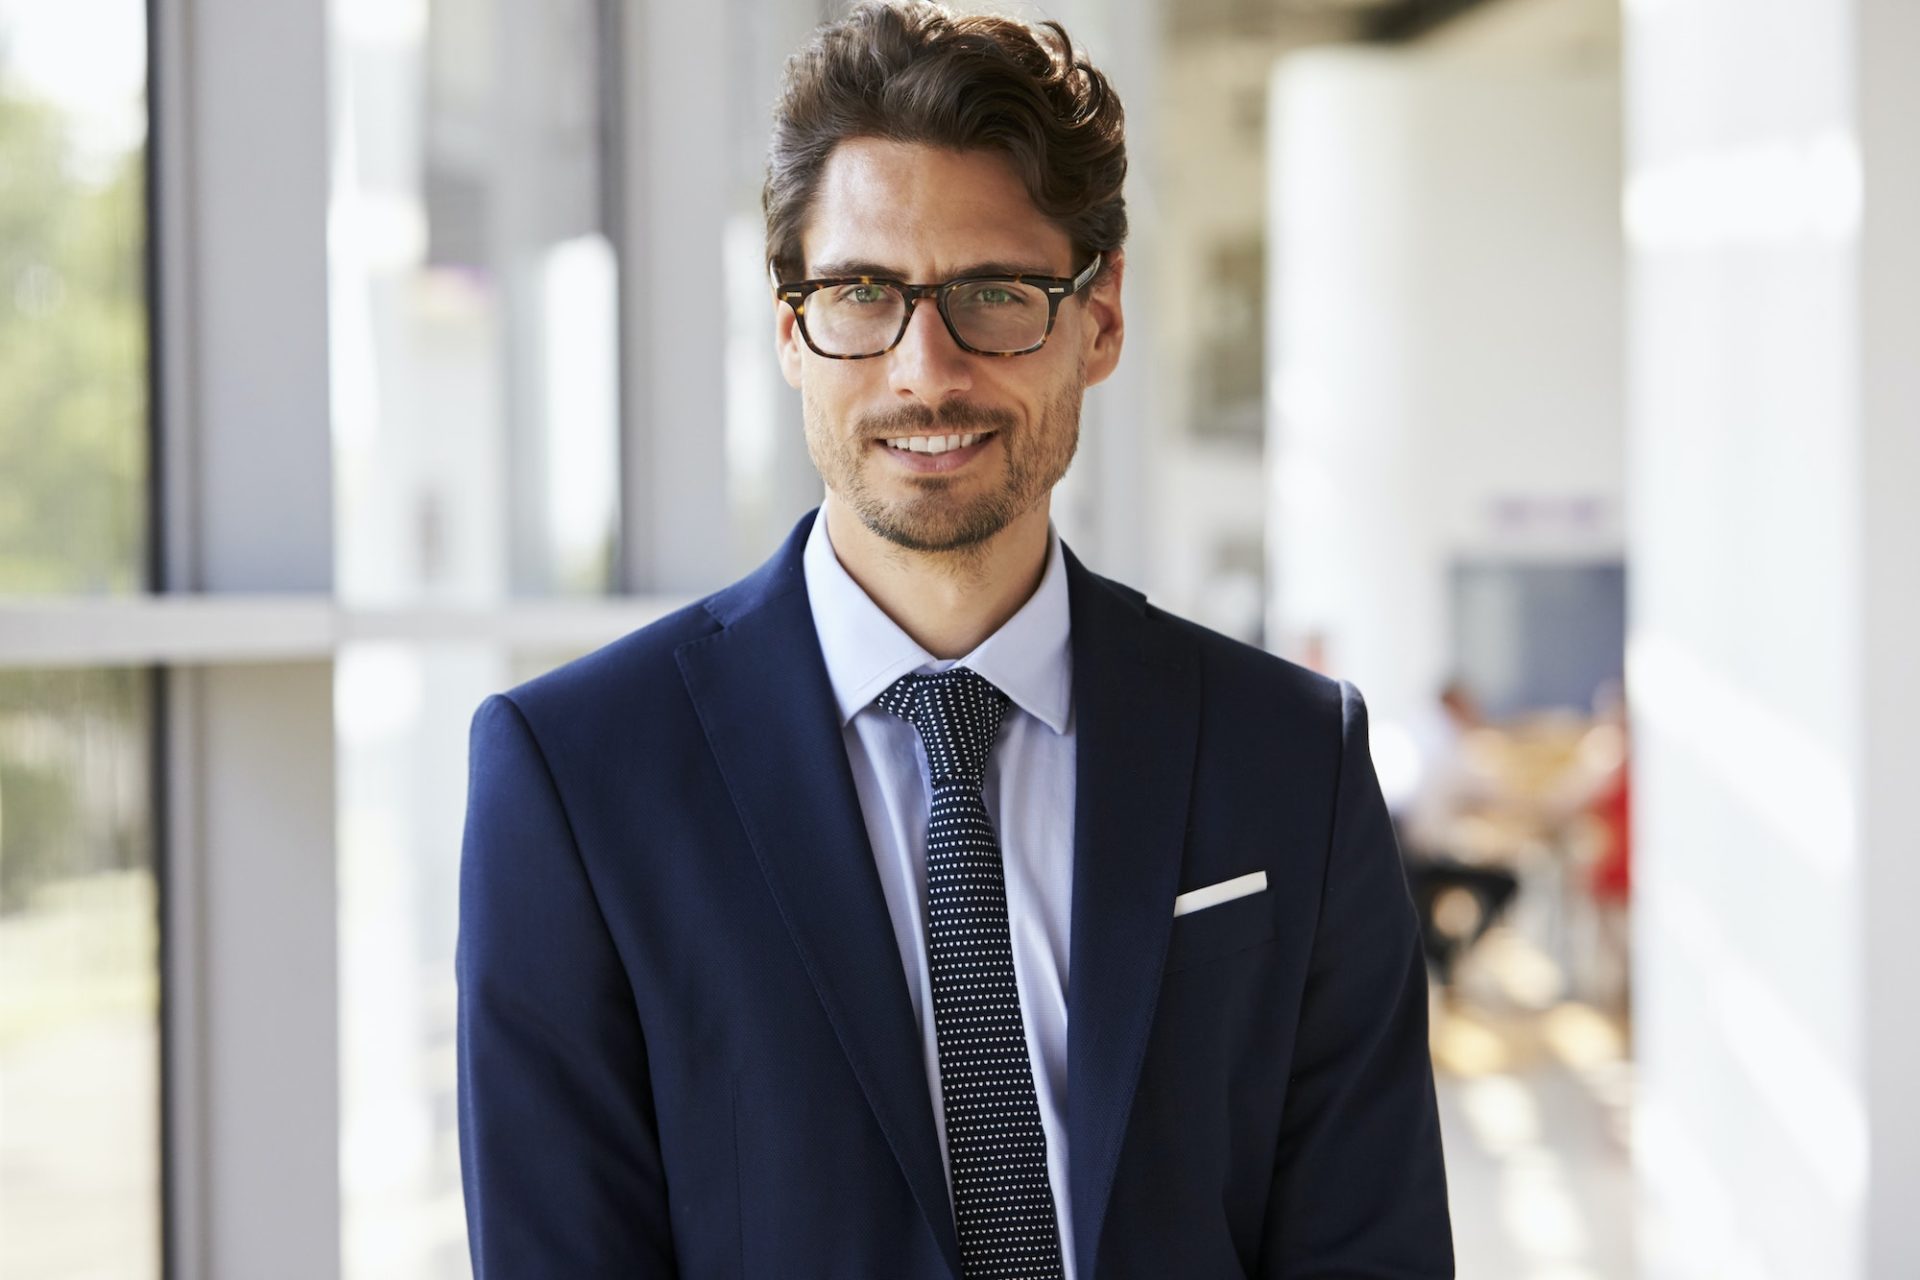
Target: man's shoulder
[(1235, 673), (636, 672), (1256, 706), (622, 678)]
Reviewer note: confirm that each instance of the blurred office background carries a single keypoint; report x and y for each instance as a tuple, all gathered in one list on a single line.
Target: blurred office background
[(361, 357)]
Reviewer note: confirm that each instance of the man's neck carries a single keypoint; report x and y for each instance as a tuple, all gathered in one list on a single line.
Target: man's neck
[(947, 601)]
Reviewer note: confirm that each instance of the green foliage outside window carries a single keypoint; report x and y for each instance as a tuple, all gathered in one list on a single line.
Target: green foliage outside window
[(75, 800), (73, 362)]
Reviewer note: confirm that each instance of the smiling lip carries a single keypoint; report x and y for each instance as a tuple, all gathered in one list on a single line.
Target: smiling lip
[(935, 463)]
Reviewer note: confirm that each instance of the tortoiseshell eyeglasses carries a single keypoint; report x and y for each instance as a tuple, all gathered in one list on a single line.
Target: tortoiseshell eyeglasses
[(857, 317)]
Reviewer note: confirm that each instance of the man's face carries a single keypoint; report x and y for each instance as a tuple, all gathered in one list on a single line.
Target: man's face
[(923, 214)]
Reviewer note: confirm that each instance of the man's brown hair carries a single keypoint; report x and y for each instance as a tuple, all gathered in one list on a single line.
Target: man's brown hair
[(917, 72)]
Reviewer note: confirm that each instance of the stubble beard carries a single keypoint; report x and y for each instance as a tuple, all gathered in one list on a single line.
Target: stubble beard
[(933, 520)]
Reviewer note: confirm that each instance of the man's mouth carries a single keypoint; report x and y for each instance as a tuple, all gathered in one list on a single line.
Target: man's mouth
[(935, 444)]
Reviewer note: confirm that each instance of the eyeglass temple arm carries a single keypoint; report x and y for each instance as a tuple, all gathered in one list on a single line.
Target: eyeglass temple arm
[(1080, 281), (773, 280)]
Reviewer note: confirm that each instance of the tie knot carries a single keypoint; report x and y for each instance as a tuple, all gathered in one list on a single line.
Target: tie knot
[(958, 713)]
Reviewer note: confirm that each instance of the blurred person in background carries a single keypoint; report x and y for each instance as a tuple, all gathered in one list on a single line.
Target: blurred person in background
[(1612, 877), (1458, 900), (768, 909), (1453, 781), (1597, 791), (1498, 809)]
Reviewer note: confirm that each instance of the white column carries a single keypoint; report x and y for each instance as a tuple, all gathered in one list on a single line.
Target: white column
[(266, 954), (674, 111), (1444, 343), (1774, 312), (1889, 106), (240, 145)]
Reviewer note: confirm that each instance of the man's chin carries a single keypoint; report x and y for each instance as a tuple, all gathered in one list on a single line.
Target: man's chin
[(915, 528)]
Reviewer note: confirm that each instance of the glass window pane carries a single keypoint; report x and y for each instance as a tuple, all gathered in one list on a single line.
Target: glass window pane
[(401, 715), (73, 315), (473, 302), (79, 977)]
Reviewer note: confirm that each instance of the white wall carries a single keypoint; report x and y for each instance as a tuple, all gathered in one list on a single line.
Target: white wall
[(1445, 336), (1774, 306)]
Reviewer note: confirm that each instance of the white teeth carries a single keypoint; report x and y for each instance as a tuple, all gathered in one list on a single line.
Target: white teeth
[(934, 444)]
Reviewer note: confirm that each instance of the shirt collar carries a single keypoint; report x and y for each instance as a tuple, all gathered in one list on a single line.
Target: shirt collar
[(866, 651)]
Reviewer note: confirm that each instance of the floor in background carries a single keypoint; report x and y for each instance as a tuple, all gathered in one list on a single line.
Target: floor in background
[(1534, 1098)]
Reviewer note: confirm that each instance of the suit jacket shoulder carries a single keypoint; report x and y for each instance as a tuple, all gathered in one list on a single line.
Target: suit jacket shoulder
[(1262, 716), (1275, 686), (625, 681), (620, 680)]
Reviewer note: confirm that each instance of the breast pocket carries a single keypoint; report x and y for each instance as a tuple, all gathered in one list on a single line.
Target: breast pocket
[(1220, 930)]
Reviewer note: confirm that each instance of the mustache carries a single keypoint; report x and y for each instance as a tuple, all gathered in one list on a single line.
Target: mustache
[(956, 417)]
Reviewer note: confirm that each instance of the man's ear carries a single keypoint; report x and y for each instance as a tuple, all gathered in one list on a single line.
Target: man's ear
[(786, 342), (1105, 323)]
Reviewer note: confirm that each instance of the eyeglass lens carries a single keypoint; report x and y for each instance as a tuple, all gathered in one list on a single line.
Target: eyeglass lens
[(995, 316)]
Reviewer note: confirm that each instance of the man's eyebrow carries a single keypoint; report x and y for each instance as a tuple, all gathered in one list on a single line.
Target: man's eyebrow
[(834, 270), (838, 270), (1003, 269)]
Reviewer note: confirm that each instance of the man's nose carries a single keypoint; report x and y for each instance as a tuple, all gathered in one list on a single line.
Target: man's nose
[(927, 364)]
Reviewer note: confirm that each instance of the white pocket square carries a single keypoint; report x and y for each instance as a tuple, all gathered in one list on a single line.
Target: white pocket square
[(1215, 894)]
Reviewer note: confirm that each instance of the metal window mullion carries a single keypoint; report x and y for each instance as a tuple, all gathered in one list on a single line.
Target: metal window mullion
[(250, 1046)]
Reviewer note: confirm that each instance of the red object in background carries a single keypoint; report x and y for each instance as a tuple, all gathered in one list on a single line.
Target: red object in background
[(1611, 880)]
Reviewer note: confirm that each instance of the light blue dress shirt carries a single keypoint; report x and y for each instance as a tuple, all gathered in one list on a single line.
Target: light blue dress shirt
[(1028, 791)]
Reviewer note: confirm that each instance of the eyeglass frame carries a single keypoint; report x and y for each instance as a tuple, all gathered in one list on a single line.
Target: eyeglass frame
[(1056, 288)]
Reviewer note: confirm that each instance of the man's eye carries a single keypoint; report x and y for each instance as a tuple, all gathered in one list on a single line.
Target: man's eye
[(865, 295), (992, 295)]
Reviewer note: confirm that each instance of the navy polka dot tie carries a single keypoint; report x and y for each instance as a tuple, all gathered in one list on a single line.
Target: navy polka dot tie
[(1002, 1203)]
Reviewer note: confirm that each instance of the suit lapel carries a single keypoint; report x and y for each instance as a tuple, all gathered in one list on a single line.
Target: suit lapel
[(1136, 710), (761, 690)]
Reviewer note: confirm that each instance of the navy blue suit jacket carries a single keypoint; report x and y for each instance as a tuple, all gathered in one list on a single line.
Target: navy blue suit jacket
[(686, 1047)]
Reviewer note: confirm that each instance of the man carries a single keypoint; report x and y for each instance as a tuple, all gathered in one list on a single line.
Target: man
[(925, 905)]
